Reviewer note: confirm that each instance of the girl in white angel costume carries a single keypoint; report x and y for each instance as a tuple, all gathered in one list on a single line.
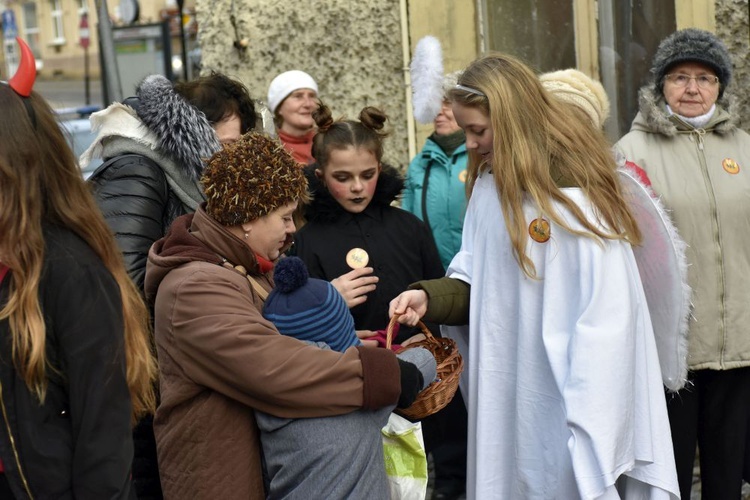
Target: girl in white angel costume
[(564, 390)]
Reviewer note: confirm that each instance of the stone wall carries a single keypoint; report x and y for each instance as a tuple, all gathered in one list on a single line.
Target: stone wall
[(733, 27), (351, 47)]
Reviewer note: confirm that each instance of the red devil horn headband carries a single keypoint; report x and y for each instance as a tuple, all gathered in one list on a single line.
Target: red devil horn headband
[(23, 80)]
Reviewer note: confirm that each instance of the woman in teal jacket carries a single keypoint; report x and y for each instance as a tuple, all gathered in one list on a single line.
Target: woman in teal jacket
[(435, 184)]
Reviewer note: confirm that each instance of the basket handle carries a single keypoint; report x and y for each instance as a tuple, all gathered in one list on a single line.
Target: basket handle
[(392, 324)]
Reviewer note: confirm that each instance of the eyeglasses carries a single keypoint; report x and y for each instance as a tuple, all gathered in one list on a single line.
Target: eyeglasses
[(681, 80)]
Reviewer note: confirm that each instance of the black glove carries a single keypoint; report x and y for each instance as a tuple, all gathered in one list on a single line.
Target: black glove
[(412, 383)]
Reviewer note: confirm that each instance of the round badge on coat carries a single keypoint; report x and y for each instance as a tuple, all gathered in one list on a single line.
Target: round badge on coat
[(730, 166), (462, 176), (357, 258), (539, 230)]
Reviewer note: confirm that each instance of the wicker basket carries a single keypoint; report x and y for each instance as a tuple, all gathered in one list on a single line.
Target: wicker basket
[(449, 366)]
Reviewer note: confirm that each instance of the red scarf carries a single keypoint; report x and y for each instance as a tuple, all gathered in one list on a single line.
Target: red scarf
[(264, 265), (299, 146)]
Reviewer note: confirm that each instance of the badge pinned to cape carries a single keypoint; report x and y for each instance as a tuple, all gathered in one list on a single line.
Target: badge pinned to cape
[(662, 265)]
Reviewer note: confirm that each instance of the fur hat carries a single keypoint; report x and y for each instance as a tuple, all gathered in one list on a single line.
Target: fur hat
[(574, 87), (696, 45), (286, 83), (307, 308), (250, 178)]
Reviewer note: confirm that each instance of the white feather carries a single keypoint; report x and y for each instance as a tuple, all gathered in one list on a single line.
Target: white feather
[(427, 79)]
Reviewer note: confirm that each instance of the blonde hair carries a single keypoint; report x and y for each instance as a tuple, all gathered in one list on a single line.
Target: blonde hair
[(538, 144), (40, 182)]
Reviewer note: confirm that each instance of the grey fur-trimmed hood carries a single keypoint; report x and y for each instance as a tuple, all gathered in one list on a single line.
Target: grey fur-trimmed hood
[(653, 117), (183, 133)]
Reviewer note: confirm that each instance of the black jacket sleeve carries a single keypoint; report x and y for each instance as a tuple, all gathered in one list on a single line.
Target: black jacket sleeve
[(86, 311), (133, 195), (432, 266)]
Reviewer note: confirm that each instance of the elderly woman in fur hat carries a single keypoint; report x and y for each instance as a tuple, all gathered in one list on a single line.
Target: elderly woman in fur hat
[(220, 360), (686, 138)]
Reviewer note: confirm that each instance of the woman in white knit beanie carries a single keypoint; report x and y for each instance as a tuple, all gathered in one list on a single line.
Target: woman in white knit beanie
[(292, 98)]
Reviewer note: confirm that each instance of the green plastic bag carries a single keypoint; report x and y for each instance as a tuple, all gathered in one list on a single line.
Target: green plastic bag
[(405, 458)]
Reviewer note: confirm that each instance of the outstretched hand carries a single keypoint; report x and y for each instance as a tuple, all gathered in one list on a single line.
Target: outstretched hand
[(411, 305), (355, 285)]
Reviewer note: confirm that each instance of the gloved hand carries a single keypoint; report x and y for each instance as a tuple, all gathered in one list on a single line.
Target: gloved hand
[(418, 370)]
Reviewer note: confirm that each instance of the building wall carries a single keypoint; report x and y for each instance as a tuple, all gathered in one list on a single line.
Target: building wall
[(733, 27)]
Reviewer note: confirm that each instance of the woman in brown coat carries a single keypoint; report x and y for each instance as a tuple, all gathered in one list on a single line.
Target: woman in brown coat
[(219, 358)]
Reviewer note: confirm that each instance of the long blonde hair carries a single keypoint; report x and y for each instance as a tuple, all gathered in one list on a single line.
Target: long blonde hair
[(40, 182), (537, 141)]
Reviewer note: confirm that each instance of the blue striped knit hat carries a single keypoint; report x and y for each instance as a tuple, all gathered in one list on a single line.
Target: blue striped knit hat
[(307, 308)]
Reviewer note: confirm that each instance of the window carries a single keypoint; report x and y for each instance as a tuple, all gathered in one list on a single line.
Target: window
[(30, 28), (539, 32), (623, 39), (629, 33), (58, 30)]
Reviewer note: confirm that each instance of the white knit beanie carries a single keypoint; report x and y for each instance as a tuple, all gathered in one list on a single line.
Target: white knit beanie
[(285, 84), (570, 85)]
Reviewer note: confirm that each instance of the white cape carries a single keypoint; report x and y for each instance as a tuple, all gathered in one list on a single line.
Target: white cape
[(562, 377)]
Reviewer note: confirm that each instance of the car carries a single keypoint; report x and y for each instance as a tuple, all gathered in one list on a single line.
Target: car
[(77, 127)]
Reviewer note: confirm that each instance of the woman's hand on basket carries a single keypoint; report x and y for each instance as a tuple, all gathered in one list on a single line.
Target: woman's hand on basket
[(364, 335), (355, 285), (410, 306)]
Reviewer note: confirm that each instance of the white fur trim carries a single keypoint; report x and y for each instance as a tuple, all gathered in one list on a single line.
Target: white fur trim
[(427, 79)]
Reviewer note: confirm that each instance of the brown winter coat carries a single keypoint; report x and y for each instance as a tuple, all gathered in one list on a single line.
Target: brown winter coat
[(219, 360)]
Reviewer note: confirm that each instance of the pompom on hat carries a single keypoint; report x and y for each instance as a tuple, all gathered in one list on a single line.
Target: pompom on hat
[(307, 308), (694, 45), (574, 87), (251, 178), (286, 83)]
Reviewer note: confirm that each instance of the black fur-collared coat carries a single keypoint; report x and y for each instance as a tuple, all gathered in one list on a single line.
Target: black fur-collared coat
[(154, 146), (399, 245)]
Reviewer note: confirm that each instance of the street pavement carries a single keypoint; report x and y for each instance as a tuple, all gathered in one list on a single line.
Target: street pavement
[(69, 93)]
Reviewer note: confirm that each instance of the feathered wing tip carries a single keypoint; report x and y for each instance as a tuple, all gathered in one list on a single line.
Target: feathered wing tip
[(680, 247), (427, 79), (182, 129), (674, 364)]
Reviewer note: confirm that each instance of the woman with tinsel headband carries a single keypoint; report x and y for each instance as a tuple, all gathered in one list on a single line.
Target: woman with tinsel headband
[(564, 389)]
